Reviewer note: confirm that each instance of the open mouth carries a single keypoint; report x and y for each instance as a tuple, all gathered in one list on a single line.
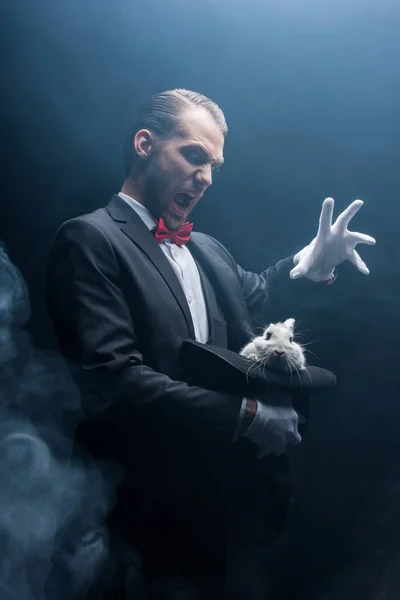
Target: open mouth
[(183, 200)]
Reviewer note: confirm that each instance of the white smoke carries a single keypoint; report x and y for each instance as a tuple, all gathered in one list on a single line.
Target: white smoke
[(53, 540)]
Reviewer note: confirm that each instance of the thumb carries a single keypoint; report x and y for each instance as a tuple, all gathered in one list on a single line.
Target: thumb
[(358, 262), (297, 272)]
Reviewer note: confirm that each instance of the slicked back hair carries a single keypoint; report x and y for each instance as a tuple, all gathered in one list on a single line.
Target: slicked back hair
[(161, 113)]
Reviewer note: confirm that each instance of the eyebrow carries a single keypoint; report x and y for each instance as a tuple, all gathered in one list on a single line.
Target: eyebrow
[(218, 162)]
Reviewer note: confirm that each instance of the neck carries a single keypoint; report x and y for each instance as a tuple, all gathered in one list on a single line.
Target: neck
[(133, 188)]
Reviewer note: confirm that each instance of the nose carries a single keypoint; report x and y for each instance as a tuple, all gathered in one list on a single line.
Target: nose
[(279, 352), (203, 177)]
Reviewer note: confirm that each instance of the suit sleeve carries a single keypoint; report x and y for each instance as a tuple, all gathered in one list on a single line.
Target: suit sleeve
[(273, 288), (273, 291), (94, 329)]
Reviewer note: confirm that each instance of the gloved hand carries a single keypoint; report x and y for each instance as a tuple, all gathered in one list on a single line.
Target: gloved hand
[(273, 429), (332, 245)]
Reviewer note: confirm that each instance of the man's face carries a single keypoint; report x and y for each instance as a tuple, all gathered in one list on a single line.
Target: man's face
[(181, 166)]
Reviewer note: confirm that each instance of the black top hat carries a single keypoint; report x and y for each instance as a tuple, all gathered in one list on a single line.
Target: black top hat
[(226, 371)]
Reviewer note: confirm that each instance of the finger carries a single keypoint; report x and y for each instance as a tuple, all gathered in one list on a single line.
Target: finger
[(296, 259), (279, 449), (358, 262), (296, 439), (362, 238), (265, 451), (303, 266), (325, 218), (275, 447), (345, 217), (298, 272)]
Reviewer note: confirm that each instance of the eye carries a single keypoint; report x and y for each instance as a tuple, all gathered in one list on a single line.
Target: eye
[(291, 339), (268, 335), (195, 157)]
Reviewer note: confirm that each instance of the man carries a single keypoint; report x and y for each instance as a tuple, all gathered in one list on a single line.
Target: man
[(127, 284)]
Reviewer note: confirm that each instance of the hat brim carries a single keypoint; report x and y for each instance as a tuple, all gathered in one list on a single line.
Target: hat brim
[(221, 369)]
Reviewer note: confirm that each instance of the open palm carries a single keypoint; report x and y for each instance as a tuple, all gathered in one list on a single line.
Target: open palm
[(332, 245)]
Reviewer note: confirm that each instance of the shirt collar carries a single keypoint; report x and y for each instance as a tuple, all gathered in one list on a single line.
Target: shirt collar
[(141, 210)]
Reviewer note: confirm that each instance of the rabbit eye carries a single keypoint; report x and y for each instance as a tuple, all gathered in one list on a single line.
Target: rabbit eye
[(268, 335), (291, 339)]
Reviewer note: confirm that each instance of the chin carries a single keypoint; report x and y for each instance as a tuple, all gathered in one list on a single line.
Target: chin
[(174, 222)]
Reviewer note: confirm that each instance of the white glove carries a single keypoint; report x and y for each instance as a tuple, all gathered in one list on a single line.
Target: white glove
[(332, 245), (273, 429)]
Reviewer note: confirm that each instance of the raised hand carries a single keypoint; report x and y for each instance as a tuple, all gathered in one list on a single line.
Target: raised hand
[(333, 245)]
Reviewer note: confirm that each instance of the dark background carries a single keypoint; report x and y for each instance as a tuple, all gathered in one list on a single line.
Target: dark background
[(310, 90)]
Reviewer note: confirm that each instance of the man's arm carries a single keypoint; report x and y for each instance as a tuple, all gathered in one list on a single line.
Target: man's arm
[(273, 287), (315, 263), (95, 331)]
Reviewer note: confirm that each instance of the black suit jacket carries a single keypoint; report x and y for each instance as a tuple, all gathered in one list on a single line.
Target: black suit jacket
[(120, 314)]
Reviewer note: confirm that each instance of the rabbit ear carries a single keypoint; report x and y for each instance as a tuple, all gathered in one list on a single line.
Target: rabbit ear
[(290, 324)]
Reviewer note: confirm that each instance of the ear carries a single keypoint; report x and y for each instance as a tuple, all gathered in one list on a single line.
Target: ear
[(290, 323), (144, 142)]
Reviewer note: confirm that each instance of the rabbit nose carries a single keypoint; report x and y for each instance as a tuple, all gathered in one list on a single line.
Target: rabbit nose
[(279, 352)]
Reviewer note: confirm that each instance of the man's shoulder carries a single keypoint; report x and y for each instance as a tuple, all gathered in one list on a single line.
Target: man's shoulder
[(96, 219), (205, 238), (214, 245), (87, 228)]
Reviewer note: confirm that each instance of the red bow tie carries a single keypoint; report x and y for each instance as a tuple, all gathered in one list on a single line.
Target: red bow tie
[(179, 237)]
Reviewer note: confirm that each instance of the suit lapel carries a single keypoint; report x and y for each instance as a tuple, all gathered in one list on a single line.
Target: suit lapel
[(132, 225), (227, 289), (213, 312)]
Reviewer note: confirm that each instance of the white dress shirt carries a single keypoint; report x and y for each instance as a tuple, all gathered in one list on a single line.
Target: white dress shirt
[(185, 269)]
